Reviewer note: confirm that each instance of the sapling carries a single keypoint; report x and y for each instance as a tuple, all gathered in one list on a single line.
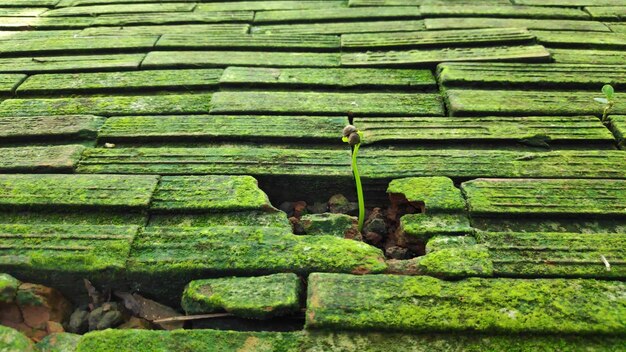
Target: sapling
[(353, 137), (608, 100)]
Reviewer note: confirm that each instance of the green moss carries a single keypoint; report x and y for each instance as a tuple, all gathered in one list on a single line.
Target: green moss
[(618, 127), (482, 130), (12, 340), (179, 254), (464, 102), (327, 103), (61, 255), (554, 254), (426, 304), (322, 341), (59, 342), (209, 128), (259, 218), (49, 192), (337, 225), (209, 193), (393, 163), (457, 262), (575, 198), (259, 297), (223, 160), (120, 81), (340, 27), (424, 226), (195, 59), (509, 75), (158, 104), (8, 288), (329, 77), (425, 39), (52, 159), (438, 194), (187, 340)]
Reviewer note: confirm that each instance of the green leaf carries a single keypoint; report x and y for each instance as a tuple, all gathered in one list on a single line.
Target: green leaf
[(601, 100), (608, 91)]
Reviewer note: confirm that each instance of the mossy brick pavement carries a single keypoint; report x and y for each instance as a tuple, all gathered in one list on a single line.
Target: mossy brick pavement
[(145, 144)]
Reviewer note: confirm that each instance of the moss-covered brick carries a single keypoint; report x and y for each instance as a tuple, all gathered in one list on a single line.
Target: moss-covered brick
[(568, 2), (338, 341), (534, 131), (617, 27), (69, 3), (434, 56), (260, 297), (180, 254), (21, 35), (189, 29), (338, 225), (337, 14), (49, 128), (38, 23), (343, 341), (318, 103), (556, 198), (156, 59), (120, 81), (190, 128), (607, 13), (341, 78), (70, 45), (435, 38), (587, 56), (556, 254), (465, 10), (436, 194), (51, 192), (250, 42), (8, 82), (209, 193), (8, 288), (173, 18), (95, 10), (59, 342), (62, 255), (59, 159), (467, 102), (490, 22), (581, 39), (259, 218), (392, 163), (426, 304), (115, 340), (424, 226), (72, 63), (524, 76), (341, 27), (12, 340), (20, 3), (109, 105), (239, 160), (618, 127), (357, 3), (453, 262), (268, 5)]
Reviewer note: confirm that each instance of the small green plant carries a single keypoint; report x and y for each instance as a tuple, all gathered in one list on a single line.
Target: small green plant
[(353, 137), (608, 100)]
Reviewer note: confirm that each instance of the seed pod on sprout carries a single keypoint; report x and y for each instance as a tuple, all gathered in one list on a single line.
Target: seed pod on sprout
[(348, 130), (354, 139)]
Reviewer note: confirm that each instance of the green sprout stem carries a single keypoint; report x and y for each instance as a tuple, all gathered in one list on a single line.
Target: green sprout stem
[(359, 187)]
